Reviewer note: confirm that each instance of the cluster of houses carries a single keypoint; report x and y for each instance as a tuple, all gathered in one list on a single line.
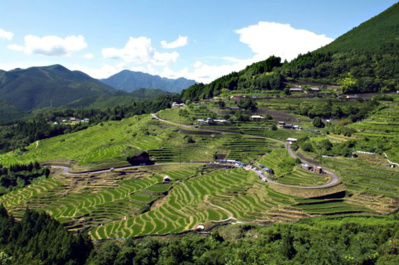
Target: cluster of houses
[(177, 105), (283, 125), (315, 169), (210, 121), (300, 90), (72, 120)]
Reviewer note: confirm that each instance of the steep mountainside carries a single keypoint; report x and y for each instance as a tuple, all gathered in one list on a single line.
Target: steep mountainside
[(130, 81), (47, 86), (365, 59)]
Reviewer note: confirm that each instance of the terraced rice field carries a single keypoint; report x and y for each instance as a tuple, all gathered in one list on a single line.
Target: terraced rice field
[(97, 143), (301, 177)]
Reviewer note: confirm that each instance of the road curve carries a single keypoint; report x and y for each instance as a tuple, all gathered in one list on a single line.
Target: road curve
[(335, 179)]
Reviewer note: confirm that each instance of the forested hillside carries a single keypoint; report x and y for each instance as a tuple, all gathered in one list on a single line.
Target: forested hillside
[(366, 59), (130, 81), (50, 86)]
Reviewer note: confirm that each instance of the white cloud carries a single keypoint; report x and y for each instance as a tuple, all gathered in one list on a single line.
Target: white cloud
[(6, 35), (88, 56), (50, 45), (270, 38), (264, 39), (104, 71), (180, 42), (139, 51)]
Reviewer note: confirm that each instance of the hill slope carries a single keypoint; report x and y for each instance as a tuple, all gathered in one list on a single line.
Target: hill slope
[(130, 81), (47, 86), (365, 59)]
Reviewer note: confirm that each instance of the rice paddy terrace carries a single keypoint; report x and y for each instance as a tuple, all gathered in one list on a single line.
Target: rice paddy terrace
[(137, 201)]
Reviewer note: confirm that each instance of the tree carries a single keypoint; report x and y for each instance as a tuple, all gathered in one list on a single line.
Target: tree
[(317, 122)]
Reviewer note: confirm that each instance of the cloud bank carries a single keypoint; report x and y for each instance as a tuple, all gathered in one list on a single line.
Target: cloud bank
[(6, 35), (270, 38), (140, 51), (180, 42), (50, 45)]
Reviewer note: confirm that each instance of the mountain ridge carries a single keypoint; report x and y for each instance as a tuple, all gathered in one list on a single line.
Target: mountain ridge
[(131, 80)]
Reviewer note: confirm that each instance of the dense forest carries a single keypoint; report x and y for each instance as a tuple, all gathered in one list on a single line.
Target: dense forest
[(18, 176), (39, 239), (256, 76), (366, 59)]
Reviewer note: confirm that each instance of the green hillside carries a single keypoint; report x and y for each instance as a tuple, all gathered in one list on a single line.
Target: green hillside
[(50, 86), (365, 59)]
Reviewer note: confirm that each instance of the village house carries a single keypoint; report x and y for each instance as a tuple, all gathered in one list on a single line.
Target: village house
[(281, 124), (177, 105), (351, 97), (313, 90), (256, 117), (306, 167), (291, 140), (212, 121), (317, 170), (238, 98), (166, 179), (296, 90), (234, 108), (288, 126)]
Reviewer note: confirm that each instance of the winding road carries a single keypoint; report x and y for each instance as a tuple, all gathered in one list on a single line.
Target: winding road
[(335, 179)]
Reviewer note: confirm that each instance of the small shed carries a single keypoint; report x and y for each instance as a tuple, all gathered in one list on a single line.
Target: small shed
[(317, 170), (256, 117), (306, 167), (200, 228), (166, 179), (295, 89), (291, 140)]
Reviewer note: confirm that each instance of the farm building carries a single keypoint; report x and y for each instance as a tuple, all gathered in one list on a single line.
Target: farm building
[(281, 124), (200, 228), (234, 108), (306, 167), (177, 105), (291, 140), (166, 179), (288, 126), (317, 169), (313, 90), (238, 98), (295, 89), (221, 121), (351, 97)]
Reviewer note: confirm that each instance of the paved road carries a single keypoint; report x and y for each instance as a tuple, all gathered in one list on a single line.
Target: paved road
[(66, 169), (335, 179)]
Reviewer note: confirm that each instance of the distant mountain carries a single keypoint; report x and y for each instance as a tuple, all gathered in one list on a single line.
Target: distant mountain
[(130, 81), (117, 97), (49, 86)]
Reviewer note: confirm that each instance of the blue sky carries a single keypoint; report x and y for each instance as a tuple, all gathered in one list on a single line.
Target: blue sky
[(201, 40)]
